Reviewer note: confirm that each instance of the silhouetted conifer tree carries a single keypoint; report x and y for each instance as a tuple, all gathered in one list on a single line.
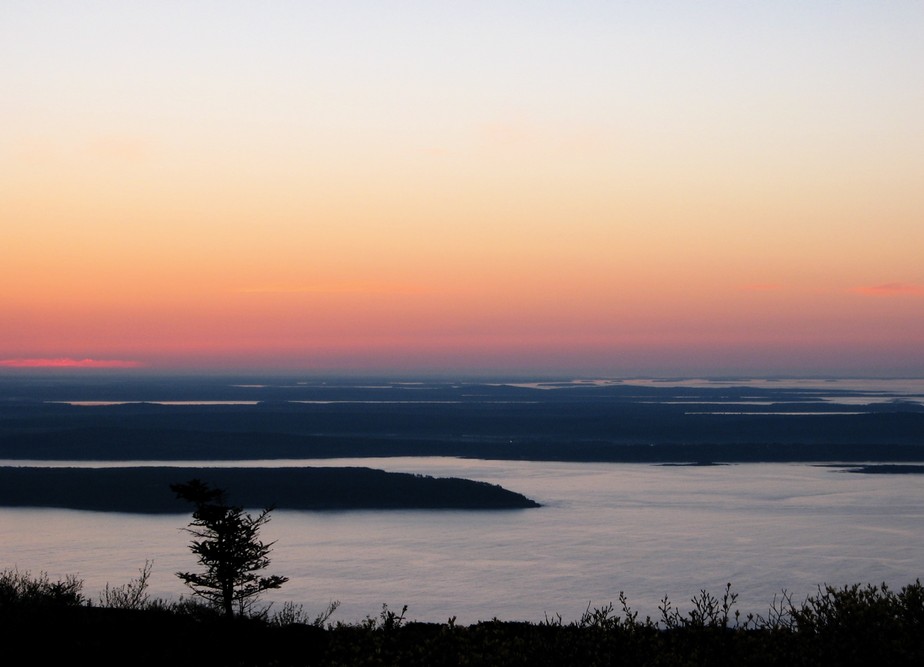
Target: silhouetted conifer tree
[(226, 542)]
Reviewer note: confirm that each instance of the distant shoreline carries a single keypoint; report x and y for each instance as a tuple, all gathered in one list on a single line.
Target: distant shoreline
[(215, 420), (887, 469)]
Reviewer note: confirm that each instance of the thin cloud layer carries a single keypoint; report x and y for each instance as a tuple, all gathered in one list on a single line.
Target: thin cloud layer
[(336, 288), (891, 289), (66, 362)]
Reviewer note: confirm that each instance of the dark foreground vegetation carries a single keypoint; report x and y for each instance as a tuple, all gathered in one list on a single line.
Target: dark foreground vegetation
[(52, 622)]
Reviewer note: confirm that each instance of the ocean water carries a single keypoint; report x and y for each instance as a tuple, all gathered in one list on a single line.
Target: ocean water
[(647, 530)]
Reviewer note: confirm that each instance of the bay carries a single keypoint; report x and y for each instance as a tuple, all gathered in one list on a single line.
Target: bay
[(647, 530)]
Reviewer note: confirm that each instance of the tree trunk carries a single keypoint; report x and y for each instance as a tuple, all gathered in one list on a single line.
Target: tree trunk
[(227, 595)]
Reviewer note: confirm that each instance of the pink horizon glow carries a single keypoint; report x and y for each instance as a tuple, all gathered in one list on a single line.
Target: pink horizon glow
[(66, 362)]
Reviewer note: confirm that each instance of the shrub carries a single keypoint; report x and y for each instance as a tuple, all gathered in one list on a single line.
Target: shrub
[(22, 588), (133, 595)]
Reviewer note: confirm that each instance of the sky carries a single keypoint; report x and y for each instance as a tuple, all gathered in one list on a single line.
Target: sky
[(570, 188)]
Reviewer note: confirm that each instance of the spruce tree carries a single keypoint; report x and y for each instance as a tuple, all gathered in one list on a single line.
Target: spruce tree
[(227, 544)]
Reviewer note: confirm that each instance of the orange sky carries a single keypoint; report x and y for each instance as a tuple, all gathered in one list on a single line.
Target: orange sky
[(570, 188)]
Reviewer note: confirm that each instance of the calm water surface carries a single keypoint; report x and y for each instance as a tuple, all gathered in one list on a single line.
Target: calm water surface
[(604, 528)]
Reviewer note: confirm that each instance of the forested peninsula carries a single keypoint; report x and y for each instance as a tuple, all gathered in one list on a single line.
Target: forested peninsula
[(147, 489)]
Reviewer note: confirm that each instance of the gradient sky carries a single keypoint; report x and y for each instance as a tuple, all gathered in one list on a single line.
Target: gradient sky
[(586, 188)]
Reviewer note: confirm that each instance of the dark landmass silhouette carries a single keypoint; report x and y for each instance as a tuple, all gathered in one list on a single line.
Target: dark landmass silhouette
[(698, 464), (561, 422), (887, 469), (853, 625), (147, 489)]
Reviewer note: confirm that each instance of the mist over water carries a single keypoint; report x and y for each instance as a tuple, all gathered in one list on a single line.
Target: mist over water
[(603, 528)]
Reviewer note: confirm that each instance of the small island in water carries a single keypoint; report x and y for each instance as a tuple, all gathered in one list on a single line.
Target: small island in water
[(147, 489)]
